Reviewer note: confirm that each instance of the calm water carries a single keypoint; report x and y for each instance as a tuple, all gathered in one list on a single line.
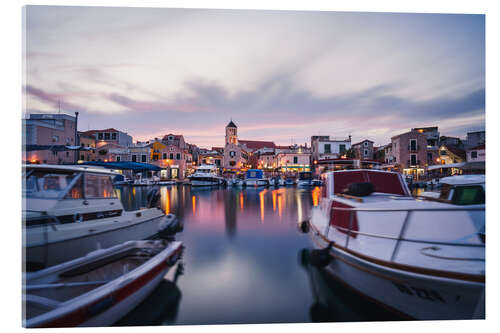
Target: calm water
[(244, 262)]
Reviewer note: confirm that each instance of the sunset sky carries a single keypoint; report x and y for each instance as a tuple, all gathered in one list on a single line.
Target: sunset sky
[(280, 75)]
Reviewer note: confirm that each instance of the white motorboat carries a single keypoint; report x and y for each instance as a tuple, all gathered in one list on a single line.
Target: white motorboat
[(255, 178), (206, 175), (99, 288), (276, 181), (305, 179), (289, 181), (72, 210), (422, 258)]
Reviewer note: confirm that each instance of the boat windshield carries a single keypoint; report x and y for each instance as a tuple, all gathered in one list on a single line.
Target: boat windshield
[(47, 185)]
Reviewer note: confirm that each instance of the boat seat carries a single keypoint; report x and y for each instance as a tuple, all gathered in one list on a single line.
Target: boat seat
[(42, 301)]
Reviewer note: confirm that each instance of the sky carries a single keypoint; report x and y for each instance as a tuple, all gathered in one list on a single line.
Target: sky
[(281, 76)]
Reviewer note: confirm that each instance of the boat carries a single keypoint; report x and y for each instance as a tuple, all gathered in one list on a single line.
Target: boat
[(317, 182), (423, 258), (290, 181), (255, 177), (72, 210), (99, 288), (276, 181), (305, 179), (206, 175)]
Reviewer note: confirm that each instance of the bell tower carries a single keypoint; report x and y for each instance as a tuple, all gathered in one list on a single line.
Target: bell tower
[(231, 134)]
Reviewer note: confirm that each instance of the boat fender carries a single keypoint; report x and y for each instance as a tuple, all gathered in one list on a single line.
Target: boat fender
[(304, 227), (321, 258), (359, 189)]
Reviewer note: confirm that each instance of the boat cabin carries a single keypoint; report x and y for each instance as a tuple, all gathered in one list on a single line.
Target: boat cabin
[(254, 174), (305, 175), (68, 194), (463, 190)]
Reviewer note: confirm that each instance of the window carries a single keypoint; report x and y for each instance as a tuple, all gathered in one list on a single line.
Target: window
[(470, 195), (341, 148), (98, 186), (295, 160), (143, 158), (170, 138), (443, 152), (134, 158), (413, 159), (473, 154), (328, 148), (113, 136), (429, 156), (178, 156), (413, 144), (106, 136), (365, 153), (164, 156), (99, 136), (76, 191), (118, 158), (366, 143), (55, 138), (171, 156)]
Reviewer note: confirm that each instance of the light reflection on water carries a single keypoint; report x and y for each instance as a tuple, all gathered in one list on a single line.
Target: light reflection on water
[(241, 256)]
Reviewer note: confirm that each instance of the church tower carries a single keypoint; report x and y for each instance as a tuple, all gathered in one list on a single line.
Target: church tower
[(231, 134)]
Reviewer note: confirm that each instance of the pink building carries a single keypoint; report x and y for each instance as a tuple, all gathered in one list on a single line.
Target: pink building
[(363, 150), (409, 151), (47, 136)]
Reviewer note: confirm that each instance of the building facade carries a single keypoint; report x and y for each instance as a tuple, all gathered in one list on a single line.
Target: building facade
[(50, 131), (363, 150), (409, 151), (475, 139), (110, 135), (322, 147)]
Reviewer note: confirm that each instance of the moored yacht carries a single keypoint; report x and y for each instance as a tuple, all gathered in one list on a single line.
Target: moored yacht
[(422, 258), (206, 175), (255, 177), (305, 179), (72, 210)]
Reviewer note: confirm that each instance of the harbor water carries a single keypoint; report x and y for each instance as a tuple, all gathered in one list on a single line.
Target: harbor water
[(245, 261)]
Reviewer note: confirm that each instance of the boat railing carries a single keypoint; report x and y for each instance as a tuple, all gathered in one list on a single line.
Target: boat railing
[(401, 237)]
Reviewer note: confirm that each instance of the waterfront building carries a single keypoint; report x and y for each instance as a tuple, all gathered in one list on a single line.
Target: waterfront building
[(267, 161), (451, 141), (409, 151), (110, 135), (450, 155), (111, 152), (87, 141), (212, 157), (363, 150), (477, 154), (475, 139), (322, 147), (140, 152), (293, 161), (173, 156), (47, 137)]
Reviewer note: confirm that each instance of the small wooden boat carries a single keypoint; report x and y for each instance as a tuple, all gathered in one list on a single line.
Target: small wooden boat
[(99, 288)]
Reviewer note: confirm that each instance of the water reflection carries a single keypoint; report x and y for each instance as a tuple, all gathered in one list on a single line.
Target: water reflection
[(240, 255)]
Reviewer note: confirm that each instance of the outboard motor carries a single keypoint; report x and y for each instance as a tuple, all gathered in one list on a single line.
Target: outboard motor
[(153, 197), (169, 226)]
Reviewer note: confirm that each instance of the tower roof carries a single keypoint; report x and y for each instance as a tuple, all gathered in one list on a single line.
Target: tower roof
[(231, 124)]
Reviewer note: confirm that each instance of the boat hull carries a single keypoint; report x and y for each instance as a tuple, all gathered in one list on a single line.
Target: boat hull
[(256, 182), (409, 294), (63, 250), (206, 181)]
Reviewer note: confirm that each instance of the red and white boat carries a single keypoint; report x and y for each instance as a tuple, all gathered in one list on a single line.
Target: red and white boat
[(99, 288), (423, 258)]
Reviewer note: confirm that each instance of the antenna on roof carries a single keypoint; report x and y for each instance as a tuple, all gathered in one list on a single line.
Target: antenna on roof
[(59, 106)]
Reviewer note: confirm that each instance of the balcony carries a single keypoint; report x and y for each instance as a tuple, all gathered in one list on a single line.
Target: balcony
[(413, 164)]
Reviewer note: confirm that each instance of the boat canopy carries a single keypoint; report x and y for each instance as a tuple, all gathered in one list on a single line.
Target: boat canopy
[(446, 166), (255, 174), (463, 180), (134, 166), (383, 181)]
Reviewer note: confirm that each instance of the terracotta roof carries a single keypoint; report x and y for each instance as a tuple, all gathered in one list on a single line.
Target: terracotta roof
[(267, 153), (355, 144), (459, 152), (252, 145), (219, 149), (176, 137), (102, 130)]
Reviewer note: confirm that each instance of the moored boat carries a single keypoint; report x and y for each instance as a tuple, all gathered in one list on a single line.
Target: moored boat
[(255, 177), (206, 175), (99, 288), (72, 210), (422, 258), (305, 179)]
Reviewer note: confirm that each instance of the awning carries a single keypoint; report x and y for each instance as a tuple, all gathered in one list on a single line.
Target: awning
[(446, 166), (474, 166), (134, 166), (55, 148)]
